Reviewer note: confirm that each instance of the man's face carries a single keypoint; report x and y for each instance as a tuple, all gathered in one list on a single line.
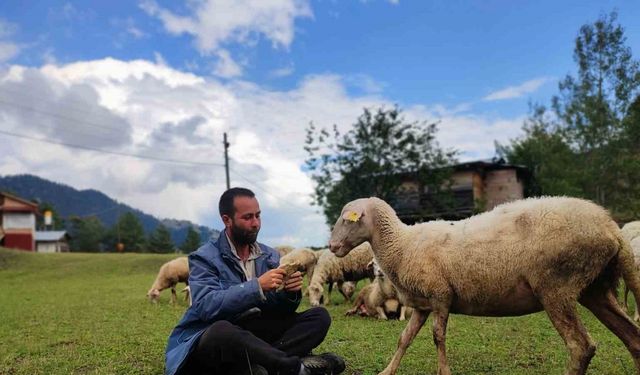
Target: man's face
[(245, 223)]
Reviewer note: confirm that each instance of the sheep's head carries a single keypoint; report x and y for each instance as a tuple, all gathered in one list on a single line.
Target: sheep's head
[(315, 295), (348, 289), (352, 228), (153, 295), (377, 271)]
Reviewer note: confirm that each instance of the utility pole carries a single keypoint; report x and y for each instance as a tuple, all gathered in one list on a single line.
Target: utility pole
[(226, 159)]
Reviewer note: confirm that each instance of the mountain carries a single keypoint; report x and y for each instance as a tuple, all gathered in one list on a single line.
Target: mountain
[(68, 201)]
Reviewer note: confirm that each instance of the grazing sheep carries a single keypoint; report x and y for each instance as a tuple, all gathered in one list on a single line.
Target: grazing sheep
[(347, 289), (379, 298), (332, 269), (187, 296), (171, 273), (520, 258)]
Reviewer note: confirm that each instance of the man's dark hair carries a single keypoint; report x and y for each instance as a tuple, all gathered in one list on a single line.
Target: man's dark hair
[(225, 206)]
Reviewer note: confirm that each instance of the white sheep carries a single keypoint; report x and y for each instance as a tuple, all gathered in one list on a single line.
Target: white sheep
[(283, 250), (520, 258), (170, 274), (631, 232), (378, 299), (304, 257), (332, 269)]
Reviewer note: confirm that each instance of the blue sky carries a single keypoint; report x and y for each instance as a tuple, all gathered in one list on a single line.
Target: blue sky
[(166, 79)]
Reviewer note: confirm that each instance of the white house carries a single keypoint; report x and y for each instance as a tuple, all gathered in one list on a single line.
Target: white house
[(52, 241)]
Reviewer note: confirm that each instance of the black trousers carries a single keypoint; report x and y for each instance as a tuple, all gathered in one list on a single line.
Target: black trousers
[(274, 341)]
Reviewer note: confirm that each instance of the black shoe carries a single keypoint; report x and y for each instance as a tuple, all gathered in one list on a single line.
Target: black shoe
[(337, 362), (323, 364), (315, 365)]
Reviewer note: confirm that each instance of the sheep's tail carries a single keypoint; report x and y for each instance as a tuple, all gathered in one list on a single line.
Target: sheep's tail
[(628, 268)]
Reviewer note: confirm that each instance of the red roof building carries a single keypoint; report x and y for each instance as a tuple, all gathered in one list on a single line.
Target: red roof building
[(17, 222)]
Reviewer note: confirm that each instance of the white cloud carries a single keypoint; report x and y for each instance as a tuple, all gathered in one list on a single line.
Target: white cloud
[(216, 22), (513, 92), (226, 67), (282, 72), (151, 109), (7, 28), (159, 59), (8, 51), (129, 27)]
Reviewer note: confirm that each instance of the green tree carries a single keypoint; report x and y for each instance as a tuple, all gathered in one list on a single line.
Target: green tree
[(57, 222), (192, 242), (593, 105), (371, 159), (160, 240), (545, 152), (589, 149), (129, 231), (87, 234)]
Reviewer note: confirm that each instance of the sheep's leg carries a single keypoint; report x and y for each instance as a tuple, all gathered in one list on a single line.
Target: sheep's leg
[(440, 319), (410, 331), (340, 284), (327, 296), (564, 317), (403, 313), (174, 296), (381, 314), (625, 296), (606, 309), (309, 277)]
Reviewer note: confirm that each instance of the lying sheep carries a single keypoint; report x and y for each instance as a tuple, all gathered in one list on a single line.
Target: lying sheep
[(332, 269), (520, 258), (631, 232), (171, 273), (379, 298)]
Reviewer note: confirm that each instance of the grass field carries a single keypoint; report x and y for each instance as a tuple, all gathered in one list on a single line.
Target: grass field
[(87, 314)]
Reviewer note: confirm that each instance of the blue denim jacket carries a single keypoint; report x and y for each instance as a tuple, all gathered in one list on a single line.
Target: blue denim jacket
[(219, 291)]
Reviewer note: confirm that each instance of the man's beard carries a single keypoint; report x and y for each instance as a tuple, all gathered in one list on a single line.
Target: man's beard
[(243, 237)]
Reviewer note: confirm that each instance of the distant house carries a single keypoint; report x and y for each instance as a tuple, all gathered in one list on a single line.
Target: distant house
[(477, 186), (17, 222), (52, 241)]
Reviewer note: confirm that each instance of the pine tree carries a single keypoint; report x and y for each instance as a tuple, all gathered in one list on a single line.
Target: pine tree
[(160, 240), (192, 242)]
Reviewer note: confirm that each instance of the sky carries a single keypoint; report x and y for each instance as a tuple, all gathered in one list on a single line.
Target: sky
[(132, 98)]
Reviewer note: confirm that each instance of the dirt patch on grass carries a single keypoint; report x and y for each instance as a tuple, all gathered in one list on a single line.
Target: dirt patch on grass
[(8, 258)]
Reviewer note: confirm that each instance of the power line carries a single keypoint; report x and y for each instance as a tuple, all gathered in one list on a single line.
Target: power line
[(36, 110), (176, 161), (40, 98)]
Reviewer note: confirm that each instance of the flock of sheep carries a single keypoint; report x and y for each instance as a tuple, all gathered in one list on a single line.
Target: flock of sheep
[(322, 268), (522, 257)]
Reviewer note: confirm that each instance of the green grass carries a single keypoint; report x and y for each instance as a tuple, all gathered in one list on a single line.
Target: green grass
[(87, 314)]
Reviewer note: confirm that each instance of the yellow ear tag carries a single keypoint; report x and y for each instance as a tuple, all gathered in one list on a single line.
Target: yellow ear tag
[(353, 216)]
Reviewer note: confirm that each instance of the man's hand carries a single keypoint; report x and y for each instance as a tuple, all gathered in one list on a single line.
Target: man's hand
[(271, 279), (294, 283)]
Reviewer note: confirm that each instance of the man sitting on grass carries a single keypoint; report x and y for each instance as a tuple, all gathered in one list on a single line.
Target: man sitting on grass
[(239, 322)]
